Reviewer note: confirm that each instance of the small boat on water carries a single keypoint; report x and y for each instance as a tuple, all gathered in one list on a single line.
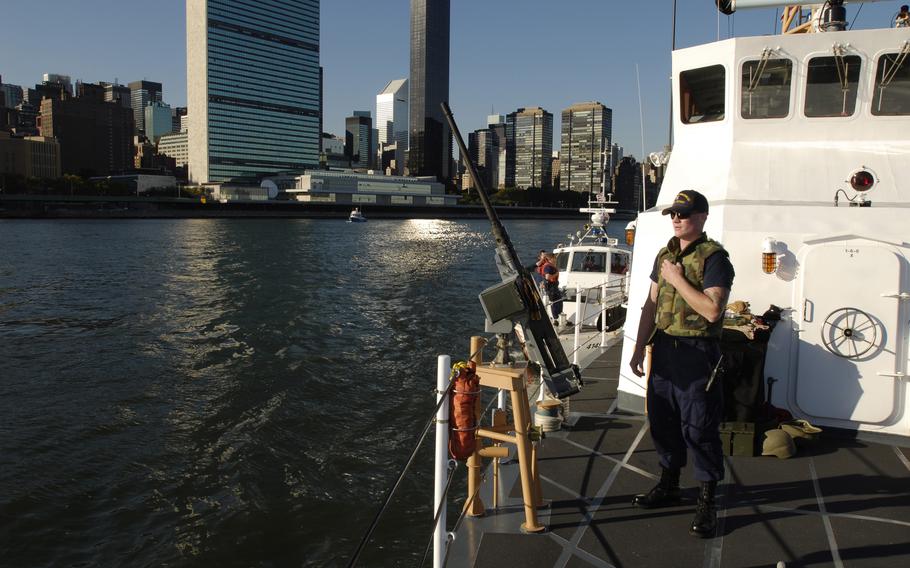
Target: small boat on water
[(357, 216), (594, 267)]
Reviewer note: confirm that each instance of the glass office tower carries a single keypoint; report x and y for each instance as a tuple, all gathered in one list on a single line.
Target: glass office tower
[(430, 144), (531, 132), (253, 88), (587, 133)]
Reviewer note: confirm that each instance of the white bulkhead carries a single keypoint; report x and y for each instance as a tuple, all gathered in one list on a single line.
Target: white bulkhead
[(771, 130)]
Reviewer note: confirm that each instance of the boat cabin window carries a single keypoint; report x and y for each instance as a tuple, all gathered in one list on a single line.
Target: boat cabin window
[(766, 88), (831, 86), (892, 85), (701, 94), (562, 261), (619, 264), (589, 262)]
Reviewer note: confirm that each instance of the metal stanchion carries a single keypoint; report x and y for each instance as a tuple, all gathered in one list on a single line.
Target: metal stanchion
[(578, 322), (443, 372)]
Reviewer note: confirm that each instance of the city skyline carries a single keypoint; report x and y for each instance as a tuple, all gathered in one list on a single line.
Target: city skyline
[(490, 63)]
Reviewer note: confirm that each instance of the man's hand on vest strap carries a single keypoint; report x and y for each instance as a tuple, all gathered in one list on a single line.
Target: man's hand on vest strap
[(672, 273)]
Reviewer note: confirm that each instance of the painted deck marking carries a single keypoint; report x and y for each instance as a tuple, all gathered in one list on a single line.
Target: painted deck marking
[(832, 543), (630, 467), (566, 555), (715, 547), (838, 515), (901, 456)]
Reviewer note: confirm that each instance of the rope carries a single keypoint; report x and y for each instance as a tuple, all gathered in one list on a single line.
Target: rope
[(404, 470)]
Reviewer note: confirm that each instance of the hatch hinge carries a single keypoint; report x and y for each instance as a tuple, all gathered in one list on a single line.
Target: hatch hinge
[(900, 296)]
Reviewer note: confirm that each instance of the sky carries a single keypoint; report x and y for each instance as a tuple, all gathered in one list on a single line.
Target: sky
[(504, 54)]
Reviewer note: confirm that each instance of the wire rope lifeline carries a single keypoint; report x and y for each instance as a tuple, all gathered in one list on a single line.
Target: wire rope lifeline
[(391, 493)]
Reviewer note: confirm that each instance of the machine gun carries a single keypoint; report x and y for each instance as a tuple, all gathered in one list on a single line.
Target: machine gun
[(517, 299)]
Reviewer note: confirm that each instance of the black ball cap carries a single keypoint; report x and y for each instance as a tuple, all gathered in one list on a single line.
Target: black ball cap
[(688, 202)]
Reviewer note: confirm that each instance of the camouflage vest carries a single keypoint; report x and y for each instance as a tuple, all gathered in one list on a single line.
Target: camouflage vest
[(674, 315)]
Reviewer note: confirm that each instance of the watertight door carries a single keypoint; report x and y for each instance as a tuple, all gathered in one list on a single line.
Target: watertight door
[(849, 332)]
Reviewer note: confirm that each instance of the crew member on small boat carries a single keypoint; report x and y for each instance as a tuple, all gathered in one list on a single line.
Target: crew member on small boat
[(902, 20), (551, 284), (683, 319)]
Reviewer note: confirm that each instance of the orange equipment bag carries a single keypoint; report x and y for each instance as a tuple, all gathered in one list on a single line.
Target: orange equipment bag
[(462, 422)]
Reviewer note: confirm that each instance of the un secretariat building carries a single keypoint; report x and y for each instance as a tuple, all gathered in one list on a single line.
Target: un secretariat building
[(253, 87)]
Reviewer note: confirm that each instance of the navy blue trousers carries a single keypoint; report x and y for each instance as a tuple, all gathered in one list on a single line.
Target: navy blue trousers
[(682, 415)]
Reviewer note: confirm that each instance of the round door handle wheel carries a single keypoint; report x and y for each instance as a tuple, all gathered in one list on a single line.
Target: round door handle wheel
[(849, 333)]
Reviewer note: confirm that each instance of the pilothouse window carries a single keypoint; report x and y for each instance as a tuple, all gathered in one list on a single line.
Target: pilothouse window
[(766, 88), (892, 85), (831, 85), (701, 94), (589, 262)]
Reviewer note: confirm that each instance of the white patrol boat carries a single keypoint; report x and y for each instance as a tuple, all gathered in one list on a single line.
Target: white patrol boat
[(357, 216), (593, 273), (801, 143)]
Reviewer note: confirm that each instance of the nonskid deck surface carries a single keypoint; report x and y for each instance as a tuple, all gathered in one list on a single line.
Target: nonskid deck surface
[(838, 502)]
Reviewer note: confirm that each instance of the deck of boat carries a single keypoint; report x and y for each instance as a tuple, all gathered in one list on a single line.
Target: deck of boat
[(839, 502)]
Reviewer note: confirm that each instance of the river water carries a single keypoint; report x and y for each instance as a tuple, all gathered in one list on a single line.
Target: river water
[(228, 392)]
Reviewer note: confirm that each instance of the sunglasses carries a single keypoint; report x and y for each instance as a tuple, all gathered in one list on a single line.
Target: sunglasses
[(681, 216)]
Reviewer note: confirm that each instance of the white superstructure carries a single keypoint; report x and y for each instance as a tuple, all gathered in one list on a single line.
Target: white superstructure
[(772, 130)]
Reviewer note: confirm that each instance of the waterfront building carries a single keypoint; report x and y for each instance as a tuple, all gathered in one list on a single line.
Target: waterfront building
[(628, 184), (358, 139), (355, 188), (253, 87), (141, 183), (531, 133), (115, 93), (484, 149), (94, 91), (56, 79), (158, 120), (178, 118), (430, 139), (95, 137), (10, 94), (392, 120), (141, 94), (175, 145), (31, 156), (615, 157), (587, 132)]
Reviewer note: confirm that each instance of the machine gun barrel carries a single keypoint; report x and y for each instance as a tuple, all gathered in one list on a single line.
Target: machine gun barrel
[(503, 242), (562, 378)]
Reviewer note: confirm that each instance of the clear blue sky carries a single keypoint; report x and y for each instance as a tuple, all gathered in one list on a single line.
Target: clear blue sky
[(505, 54)]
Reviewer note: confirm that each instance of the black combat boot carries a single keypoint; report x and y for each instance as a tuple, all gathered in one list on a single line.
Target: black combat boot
[(664, 494), (705, 520)]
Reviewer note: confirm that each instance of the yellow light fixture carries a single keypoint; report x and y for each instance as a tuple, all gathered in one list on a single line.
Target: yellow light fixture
[(769, 257)]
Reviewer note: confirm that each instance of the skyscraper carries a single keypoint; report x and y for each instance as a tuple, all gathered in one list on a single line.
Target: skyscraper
[(430, 141), (253, 87), (531, 131), (587, 132), (392, 118), (141, 94), (358, 139)]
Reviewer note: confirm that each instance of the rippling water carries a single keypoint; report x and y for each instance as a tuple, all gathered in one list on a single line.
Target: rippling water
[(227, 392)]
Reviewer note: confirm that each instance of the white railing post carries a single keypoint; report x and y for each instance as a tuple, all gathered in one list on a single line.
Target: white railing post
[(603, 315), (578, 322), (443, 370)]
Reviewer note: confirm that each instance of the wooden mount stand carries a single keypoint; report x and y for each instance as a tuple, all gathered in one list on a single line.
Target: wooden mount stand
[(512, 380)]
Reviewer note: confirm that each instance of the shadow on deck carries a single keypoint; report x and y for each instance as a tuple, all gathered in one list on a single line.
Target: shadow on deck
[(838, 502)]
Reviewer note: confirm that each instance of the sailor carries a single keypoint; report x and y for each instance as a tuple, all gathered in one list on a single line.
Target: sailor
[(902, 20), (682, 319)]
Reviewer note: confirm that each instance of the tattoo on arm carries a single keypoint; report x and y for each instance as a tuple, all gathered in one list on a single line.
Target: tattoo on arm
[(719, 296)]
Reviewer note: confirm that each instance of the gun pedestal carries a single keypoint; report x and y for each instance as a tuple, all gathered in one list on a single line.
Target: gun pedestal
[(513, 380)]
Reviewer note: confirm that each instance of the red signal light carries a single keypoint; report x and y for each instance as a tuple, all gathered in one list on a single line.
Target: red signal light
[(862, 181)]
